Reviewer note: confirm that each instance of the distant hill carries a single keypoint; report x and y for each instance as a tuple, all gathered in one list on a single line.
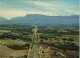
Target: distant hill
[(44, 20), (3, 20)]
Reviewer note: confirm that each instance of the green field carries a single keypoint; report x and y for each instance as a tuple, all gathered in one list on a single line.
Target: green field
[(48, 35)]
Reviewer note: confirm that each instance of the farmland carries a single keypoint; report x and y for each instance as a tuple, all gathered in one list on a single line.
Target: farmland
[(52, 41)]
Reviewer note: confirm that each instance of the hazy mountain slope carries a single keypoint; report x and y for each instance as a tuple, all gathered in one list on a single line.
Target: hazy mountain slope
[(46, 20), (3, 20)]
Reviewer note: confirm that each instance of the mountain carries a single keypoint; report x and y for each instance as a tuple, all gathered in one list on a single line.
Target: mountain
[(44, 20), (3, 20)]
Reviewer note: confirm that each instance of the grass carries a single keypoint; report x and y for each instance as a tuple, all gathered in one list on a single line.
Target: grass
[(47, 35), (6, 52), (12, 42)]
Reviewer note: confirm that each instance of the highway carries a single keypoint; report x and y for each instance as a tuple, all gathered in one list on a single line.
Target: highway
[(34, 53)]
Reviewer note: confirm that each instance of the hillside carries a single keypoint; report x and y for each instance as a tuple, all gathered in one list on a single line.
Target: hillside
[(44, 20)]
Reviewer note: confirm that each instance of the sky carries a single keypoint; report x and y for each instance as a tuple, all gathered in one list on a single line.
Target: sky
[(15, 8)]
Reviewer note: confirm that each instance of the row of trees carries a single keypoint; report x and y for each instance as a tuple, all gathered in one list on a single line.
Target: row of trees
[(19, 47), (68, 46), (17, 28), (14, 37), (69, 32), (65, 46)]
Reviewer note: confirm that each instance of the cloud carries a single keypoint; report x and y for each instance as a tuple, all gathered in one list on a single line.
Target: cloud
[(40, 7), (77, 13), (69, 11), (73, 11), (46, 6), (10, 14), (39, 3)]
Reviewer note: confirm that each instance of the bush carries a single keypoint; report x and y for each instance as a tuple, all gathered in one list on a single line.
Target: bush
[(68, 46), (19, 47)]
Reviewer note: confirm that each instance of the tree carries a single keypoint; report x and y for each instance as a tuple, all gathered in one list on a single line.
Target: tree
[(64, 39), (46, 39), (25, 56), (70, 39), (50, 39), (41, 40)]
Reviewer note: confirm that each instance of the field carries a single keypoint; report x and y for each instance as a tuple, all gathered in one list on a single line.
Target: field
[(6, 52), (17, 43), (48, 35), (74, 37), (12, 42)]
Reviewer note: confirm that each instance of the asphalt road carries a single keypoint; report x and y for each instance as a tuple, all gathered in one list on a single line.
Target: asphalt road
[(34, 53)]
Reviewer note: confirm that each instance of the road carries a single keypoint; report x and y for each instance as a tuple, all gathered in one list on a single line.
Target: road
[(34, 53)]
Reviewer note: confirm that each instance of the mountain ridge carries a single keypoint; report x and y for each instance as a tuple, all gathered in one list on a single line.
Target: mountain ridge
[(38, 19)]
